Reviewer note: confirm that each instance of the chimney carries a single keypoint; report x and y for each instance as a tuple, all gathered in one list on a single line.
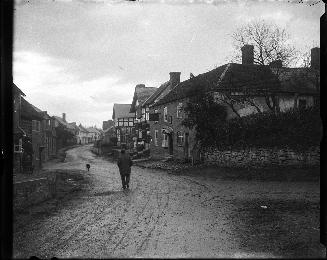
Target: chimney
[(140, 86), (315, 58), (175, 78), (64, 116), (276, 64), (247, 54)]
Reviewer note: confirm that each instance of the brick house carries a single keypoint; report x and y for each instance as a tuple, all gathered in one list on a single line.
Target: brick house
[(82, 135), (124, 124), (33, 144), (48, 135), (66, 132), (142, 127), (261, 86), (18, 132)]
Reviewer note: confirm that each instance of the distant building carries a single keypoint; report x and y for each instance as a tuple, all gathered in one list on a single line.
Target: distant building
[(124, 124), (107, 124)]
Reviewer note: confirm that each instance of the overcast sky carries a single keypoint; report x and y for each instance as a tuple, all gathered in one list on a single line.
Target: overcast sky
[(80, 57)]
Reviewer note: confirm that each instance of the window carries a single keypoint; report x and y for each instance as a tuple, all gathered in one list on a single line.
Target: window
[(165, 140), (36, 125), (120, 121), (156, 112), (147, 114), (165, 114), (131, 122), (302, 103), (179, 110), (156, 137), (180, 139), (18, 146)]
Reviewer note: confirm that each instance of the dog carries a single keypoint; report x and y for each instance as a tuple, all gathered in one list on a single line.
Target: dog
[(88, 167)]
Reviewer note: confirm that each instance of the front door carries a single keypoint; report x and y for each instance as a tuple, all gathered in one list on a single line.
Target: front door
[(170, 144)]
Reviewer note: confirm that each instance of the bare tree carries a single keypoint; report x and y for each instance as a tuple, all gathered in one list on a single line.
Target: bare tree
[(270, 42)]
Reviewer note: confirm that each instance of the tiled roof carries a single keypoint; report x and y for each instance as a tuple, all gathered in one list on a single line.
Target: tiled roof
[(122, 111), (156, 94), (28, 111)]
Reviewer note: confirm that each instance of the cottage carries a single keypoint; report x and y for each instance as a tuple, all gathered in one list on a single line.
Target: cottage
[(48, 135), (66, 132), (142, 127), (82, 136), (94, 134), (124, 124), (33, 143), (243, 88), (18, 132)]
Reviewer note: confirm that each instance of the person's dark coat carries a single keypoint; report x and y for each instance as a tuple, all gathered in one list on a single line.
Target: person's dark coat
[(124, 164)]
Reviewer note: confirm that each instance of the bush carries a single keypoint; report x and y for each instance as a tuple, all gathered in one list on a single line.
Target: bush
[(296, 129)]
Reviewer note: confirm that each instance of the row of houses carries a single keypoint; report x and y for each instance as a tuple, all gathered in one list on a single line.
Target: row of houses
[(38, 136), (153, 121)]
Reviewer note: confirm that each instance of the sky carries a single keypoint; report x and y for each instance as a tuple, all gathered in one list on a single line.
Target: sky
[(80, 57)]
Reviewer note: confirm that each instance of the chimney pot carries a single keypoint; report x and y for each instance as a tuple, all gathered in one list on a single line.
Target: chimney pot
[(315, 58), (64, 116), (247, 54), (175, 78)]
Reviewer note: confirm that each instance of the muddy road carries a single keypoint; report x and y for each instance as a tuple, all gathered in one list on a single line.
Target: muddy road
[(165, 215)]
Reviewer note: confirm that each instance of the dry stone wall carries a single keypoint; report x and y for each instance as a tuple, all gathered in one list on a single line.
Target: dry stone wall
[(263, 157)]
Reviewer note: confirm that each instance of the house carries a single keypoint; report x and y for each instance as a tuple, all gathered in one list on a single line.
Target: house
[(33, 143), (142, 127), (94, 134), (108, 134), (48, 135), (242, 88), (124, 124), (82, 136), (107, 124), (66, 132), (18, 132)]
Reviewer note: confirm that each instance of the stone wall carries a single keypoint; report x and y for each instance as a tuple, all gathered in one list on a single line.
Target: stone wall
[(33, 191), (263, 157)]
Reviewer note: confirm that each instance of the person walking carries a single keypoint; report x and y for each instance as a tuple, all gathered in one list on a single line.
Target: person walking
[(124, 164)]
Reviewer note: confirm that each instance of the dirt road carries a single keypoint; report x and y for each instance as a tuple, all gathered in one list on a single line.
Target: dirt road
[(165, 215)]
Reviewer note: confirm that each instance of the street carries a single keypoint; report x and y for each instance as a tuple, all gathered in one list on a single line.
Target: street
[(166, 215)]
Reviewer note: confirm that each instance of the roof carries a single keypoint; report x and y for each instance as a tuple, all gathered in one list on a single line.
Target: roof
[(122, 111), (64, 123), (141, 94), (156, 94), (93, 130), (251, 77), (17, 89), (112, 128), (192, 86), (299, 80), (29, 112), (43, 113), (82, 128)]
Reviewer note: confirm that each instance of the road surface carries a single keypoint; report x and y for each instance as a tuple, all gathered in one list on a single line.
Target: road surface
[(161, 215)]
